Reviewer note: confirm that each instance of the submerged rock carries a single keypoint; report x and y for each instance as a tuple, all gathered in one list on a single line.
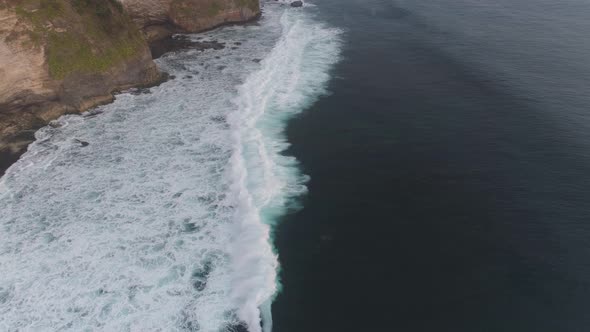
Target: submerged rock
[(81, 142), (297, 4)]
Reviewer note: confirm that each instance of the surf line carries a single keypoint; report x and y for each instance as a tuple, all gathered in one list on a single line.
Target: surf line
[(291, 78)]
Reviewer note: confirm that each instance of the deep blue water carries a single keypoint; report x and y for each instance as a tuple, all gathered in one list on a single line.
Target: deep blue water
[(450, 172)]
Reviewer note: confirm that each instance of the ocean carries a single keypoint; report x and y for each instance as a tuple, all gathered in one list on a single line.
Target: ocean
[(155, 213), (352, 165), (449, 172)]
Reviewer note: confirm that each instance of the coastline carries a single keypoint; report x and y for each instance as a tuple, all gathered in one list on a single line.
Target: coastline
[(180, 143), (12, 147)]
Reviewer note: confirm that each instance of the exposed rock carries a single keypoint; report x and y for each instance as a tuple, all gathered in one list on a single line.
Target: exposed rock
[(161, 18), (57, 57), (182, 42), (81, 142), (63, 56), (297, 4)]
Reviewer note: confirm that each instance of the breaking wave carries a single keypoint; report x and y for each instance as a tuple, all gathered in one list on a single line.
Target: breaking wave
[(161, 220)]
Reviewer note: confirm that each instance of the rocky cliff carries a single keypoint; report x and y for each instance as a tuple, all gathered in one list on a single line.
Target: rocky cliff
[(63, 56), (159, 18)]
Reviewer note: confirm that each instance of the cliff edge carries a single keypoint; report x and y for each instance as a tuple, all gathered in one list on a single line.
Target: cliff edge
[(160, 18), (65, 56)]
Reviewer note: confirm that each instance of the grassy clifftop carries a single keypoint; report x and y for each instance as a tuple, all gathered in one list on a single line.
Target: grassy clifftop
[(86, 36)]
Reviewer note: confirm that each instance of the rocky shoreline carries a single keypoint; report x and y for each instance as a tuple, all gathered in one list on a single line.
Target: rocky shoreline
[(67, 56)]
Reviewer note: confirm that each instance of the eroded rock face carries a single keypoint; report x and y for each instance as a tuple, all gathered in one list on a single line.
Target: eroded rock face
[(24, 78), (58, 56), (159, 18), (152, 16), (197, 15), (61, 56), (148, 12)]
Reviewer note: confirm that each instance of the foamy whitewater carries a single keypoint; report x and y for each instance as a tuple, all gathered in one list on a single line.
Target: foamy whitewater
[(163, 222)]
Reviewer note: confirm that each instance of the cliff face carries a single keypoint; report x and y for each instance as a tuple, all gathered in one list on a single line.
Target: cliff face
[(60, 56), (158, 18)]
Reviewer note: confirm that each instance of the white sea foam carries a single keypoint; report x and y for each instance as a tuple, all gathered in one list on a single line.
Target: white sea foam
[(163, 222)]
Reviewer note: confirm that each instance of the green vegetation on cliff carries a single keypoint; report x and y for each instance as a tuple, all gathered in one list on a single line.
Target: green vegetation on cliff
[(85, 36)]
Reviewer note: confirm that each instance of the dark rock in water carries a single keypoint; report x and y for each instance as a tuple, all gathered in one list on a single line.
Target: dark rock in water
[(89, 114), (139, 91), (182, 42), (82, 143), (169, 44), (8, 157), (297, 4)]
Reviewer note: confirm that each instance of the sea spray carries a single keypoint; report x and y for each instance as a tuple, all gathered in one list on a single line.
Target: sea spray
[(291, 77), (163, 221)]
